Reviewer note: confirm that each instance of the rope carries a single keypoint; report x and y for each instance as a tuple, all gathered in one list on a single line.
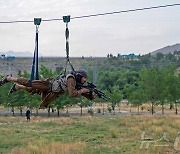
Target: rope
[(67, 41), (35, 59), (67, 50), (33, 66), (37, 49)]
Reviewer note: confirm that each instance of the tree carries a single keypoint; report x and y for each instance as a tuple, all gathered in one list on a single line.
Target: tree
[(59, 103), (170, 57), (150, 82), (159, 56), (137, 98), (118, 55), (163, 85), (83, 102), (4, 98), (127, 92), (174, 88), (17, 100), (111, 55), (116, 97), (145, 59), (67, 101), (33, 101), (46, 72), (102, 101)]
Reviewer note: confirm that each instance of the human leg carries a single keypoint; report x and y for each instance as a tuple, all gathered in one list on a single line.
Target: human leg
[(41, 85), (11, 79), (6, 79), (3, 80), (37, 86)]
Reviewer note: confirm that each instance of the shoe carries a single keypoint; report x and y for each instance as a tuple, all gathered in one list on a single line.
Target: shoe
[(4, 80), (13, 89)]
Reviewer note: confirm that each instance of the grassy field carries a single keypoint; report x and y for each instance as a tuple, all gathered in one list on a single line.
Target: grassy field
[(114, 134)]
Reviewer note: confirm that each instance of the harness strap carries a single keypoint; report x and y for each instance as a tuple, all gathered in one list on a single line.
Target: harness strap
[(66, 20), (37, 22), (37, 71), (32, 70)]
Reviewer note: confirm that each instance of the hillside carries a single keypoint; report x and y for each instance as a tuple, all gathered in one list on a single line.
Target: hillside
[(17, 54), (168, 49), (20, 64)]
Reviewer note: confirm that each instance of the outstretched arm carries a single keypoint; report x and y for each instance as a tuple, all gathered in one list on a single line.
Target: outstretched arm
[(73, 92), (88, 96), (71, 86)]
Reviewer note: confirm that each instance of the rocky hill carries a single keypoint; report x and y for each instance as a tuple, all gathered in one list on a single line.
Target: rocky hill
[(167, 49)]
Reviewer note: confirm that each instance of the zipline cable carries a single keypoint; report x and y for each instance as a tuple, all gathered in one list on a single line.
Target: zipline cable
[(95, 15), (125, 11)]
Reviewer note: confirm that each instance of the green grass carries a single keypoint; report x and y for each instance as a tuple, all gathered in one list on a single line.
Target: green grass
[(86, 134)]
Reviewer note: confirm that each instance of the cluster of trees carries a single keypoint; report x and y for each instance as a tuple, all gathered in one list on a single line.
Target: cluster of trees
[(148, 85), (157, 86), (21, 98), (148, 60)]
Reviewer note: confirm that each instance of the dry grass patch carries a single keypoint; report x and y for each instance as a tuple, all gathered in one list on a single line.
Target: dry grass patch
[(42, 147), (11, 119), (58, 120), (113, 134)]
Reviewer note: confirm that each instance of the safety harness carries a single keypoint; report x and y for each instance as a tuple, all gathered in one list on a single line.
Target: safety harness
[(37, 22), (66, 19)]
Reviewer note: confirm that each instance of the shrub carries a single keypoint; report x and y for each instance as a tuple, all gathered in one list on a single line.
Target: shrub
[(98, 110), (109, 109), (90, 111)]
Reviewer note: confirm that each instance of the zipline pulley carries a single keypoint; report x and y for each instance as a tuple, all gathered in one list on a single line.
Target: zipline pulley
[(37, 21), (66, 19)]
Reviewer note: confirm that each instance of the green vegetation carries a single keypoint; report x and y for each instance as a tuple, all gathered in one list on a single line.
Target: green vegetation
[(146, 85), (155, 82), (87, 134)]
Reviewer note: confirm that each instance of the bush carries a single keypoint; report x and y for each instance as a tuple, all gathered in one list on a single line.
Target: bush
[(109, 109), (90, 111), (98, 110)]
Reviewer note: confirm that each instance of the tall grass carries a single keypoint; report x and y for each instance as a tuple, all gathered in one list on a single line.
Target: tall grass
[(113, 134), (42, 147)]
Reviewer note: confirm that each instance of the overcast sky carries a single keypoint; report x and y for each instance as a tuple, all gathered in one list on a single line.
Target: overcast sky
[(134, 32)]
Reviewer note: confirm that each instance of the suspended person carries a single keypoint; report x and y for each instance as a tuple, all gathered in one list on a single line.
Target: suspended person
[(51, 88)]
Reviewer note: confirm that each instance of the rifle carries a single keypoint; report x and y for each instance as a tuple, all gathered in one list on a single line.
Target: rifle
[(92, 88)]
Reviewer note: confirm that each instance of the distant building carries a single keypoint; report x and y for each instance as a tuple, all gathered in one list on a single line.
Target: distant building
[(11, 57), (3, 56), (131, 56)]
